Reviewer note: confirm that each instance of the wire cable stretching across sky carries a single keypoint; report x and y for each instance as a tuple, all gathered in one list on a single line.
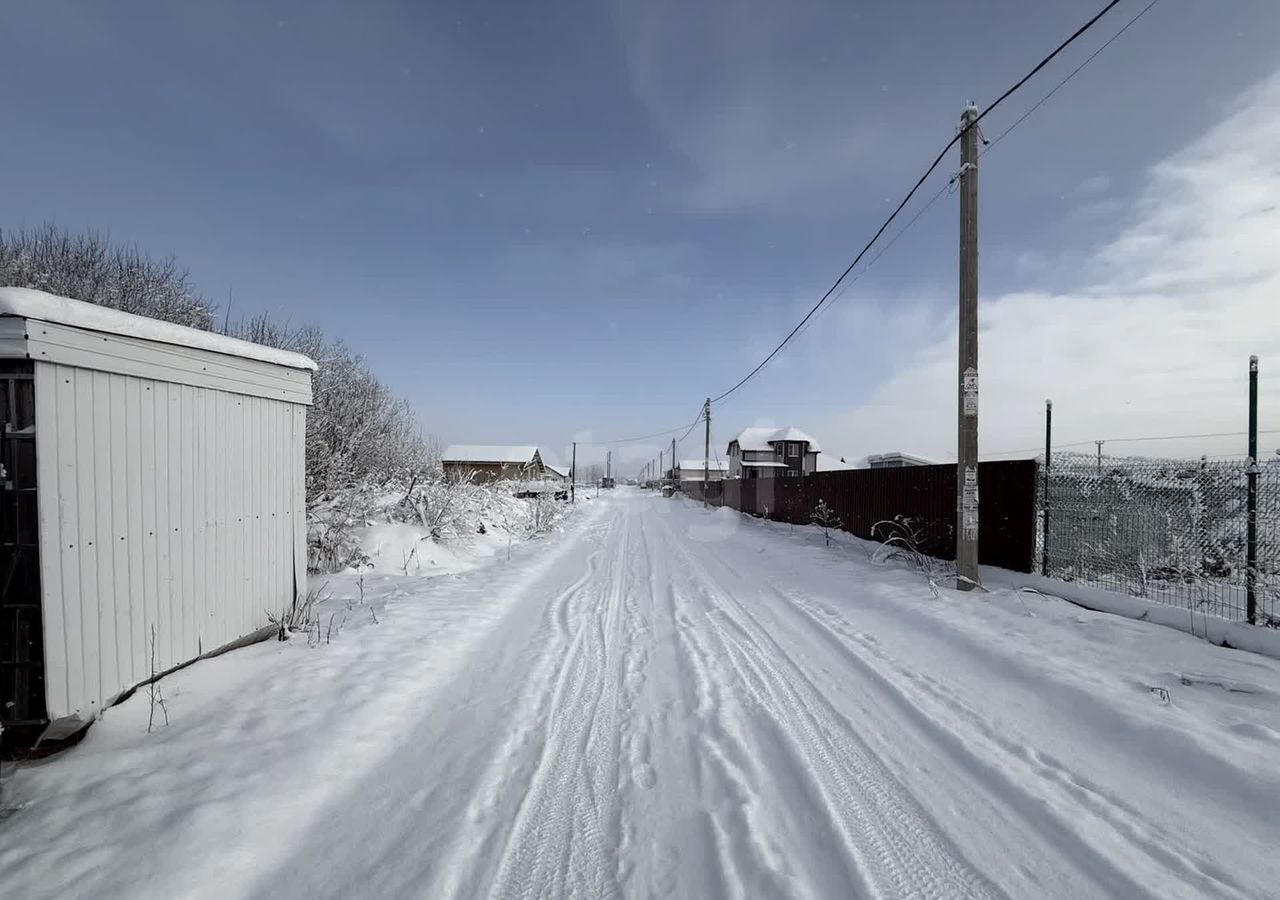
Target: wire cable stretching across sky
[(911, 193)]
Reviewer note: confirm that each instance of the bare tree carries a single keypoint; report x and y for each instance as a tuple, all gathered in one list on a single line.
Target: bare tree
[(89, 267)]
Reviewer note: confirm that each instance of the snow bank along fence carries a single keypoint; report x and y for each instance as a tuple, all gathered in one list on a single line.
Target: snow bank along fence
[(152, 502), (1168, 530), (877, 503)]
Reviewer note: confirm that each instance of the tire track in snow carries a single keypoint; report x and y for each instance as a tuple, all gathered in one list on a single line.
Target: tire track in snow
[(891, 842), (931, 706), (565, 833)]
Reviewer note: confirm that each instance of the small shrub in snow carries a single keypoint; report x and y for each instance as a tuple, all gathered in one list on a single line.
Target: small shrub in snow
[(902, 540), (825, 518)]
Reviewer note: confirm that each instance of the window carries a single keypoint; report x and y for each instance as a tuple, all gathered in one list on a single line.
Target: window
[(793, 473), (777, 449)]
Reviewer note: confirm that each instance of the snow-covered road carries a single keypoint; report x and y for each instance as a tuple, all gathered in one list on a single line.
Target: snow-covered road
[(664, 700)]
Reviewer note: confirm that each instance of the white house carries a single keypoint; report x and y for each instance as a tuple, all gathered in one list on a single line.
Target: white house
[(693, 469), (772, 453), (153, 501)]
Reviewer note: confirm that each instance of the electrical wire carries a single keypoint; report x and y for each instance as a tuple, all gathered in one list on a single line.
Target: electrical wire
[(1070, 75), (914, 188), (1132, 440), (646, 437)]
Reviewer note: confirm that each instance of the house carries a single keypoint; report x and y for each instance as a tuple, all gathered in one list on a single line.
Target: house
[(555, 473), (772, 453), (693, 470), (485, 463), (153, 502), (897, 460)]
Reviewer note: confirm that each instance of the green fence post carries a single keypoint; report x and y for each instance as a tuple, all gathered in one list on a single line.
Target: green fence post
[(1251, 534)]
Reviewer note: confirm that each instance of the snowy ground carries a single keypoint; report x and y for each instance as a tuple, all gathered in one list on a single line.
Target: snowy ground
[(663, 700)]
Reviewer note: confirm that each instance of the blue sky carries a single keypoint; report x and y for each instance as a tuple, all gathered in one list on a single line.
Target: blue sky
[(557, 220)]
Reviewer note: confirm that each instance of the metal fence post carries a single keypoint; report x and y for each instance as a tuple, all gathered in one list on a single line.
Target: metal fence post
[(1048, 456), (1251, 534)]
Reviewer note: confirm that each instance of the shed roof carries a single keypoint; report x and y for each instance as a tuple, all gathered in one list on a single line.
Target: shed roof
[(910, 458), (719, 465), (764, 438), (489, 453), (31, 304)]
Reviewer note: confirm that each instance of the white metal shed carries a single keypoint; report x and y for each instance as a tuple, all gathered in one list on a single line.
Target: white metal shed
[(153, 494)]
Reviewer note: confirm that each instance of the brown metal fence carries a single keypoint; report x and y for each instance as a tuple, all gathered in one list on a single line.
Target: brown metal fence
[(924, 496)]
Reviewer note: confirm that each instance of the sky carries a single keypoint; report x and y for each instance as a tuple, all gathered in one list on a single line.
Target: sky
[(574, 221)]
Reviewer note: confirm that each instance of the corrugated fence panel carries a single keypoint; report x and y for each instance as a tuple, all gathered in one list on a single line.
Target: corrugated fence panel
[(162, 506), (876, 503)]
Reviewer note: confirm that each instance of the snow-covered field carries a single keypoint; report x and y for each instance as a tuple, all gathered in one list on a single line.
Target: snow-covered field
[(662, 700)]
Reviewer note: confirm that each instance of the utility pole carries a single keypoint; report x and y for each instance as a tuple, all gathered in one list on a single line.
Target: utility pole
[(573, 475), (662, 471), (1099, 443), (674, 467), (608, 464), (967, 443), (1251, 500), (706, 452)]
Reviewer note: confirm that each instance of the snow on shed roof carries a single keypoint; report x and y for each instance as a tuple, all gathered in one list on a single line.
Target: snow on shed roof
[(763, 464), (562, 471), (721, 465), (763, 438), (489, 453), (31, 304), (898, 455)]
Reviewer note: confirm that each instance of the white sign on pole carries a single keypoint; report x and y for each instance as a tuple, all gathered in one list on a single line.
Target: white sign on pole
[(970, 384)]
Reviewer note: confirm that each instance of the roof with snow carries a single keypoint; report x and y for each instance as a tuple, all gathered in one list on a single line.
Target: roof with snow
[(763, 464), (715, 464), (489, 453), (765, 438), (562, 471), (30, 304), (898, 456)]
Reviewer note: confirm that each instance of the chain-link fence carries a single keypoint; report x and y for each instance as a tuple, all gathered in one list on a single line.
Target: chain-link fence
[(1172, 531)]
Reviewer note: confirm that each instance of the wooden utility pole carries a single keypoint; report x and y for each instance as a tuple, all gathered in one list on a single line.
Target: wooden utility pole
[(662, 471), (573, 475), (706, 452), (967, 443), (1099, 443), (608, 464), (674, 467)]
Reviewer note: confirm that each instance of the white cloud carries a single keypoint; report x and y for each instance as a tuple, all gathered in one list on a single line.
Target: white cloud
[(1158, 341)]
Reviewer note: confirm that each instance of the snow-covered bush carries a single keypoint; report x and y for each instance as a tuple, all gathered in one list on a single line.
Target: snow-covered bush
[(89, 267)]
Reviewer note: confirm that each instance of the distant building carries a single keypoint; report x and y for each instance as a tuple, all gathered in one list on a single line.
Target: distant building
[(692, 470), (773, 453), (485, 463), (555, 473), (897, 460)]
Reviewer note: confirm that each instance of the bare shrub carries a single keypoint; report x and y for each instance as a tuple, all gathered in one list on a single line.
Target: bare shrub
[(901, 540), (89, 267)]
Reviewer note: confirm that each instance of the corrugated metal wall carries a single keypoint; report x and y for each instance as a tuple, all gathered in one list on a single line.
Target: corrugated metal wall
[(165, 508)]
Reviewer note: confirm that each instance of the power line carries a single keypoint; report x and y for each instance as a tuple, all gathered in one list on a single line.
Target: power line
[(647, 437), (911, 193), (987, 146), (1132, 440)]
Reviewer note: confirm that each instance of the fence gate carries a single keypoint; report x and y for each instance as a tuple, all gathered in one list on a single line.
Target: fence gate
[(22, 698)]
